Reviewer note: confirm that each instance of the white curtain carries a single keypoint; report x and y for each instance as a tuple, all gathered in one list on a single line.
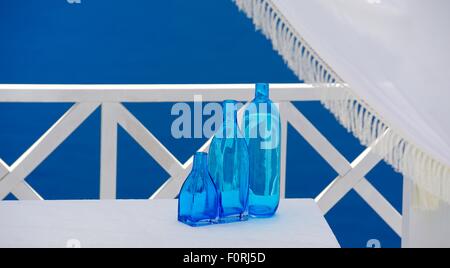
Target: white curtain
[(393, 55)]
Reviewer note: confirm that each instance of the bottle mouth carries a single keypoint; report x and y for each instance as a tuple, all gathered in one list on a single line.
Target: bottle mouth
[(262, 90), (200, 156), (229, 102)]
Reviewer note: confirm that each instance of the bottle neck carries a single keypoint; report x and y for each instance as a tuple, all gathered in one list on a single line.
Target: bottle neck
[(262, 91), (229, 124), (200, 161)]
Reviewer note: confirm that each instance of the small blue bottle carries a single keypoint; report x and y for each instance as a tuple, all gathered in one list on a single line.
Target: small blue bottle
[(198, 201), (228, 166), (262, 131)]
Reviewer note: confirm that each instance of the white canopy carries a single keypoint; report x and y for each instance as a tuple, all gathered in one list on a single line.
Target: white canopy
[(393, 55)]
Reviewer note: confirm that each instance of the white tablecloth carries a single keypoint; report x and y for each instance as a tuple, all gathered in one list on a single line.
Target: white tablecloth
[(153, 223)]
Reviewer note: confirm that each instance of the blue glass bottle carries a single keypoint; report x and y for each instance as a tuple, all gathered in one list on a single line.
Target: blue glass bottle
[(262, 132), (198, 201), (228, 166)]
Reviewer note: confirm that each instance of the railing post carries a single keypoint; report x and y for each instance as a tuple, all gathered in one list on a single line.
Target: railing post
[(406, 207), (108, 158), (4, 169), (426, 218), (283, 150)]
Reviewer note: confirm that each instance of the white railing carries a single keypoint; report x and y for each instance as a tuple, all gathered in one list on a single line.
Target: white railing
[(88, 98)]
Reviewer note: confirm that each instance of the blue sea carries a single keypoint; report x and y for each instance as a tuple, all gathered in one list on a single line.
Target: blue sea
[(170, 41)]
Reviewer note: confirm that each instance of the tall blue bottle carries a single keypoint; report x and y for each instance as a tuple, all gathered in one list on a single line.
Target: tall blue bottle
[(198, 201), (262, 132), (228, 166)]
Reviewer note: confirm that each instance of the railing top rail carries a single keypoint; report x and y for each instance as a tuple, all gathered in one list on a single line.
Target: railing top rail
[(159, 92)]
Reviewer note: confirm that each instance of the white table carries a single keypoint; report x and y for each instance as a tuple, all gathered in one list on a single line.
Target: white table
[(153, 223)]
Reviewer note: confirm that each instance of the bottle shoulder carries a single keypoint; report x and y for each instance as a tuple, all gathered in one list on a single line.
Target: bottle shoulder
[(255, 105), (197, 181), (261, 100)]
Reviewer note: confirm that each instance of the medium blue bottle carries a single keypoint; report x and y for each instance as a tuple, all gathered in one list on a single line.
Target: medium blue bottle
[(198, 201), (262, 133), (228, 166)]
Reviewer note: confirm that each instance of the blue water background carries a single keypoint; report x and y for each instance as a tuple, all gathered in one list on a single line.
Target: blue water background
[(170, 41)]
